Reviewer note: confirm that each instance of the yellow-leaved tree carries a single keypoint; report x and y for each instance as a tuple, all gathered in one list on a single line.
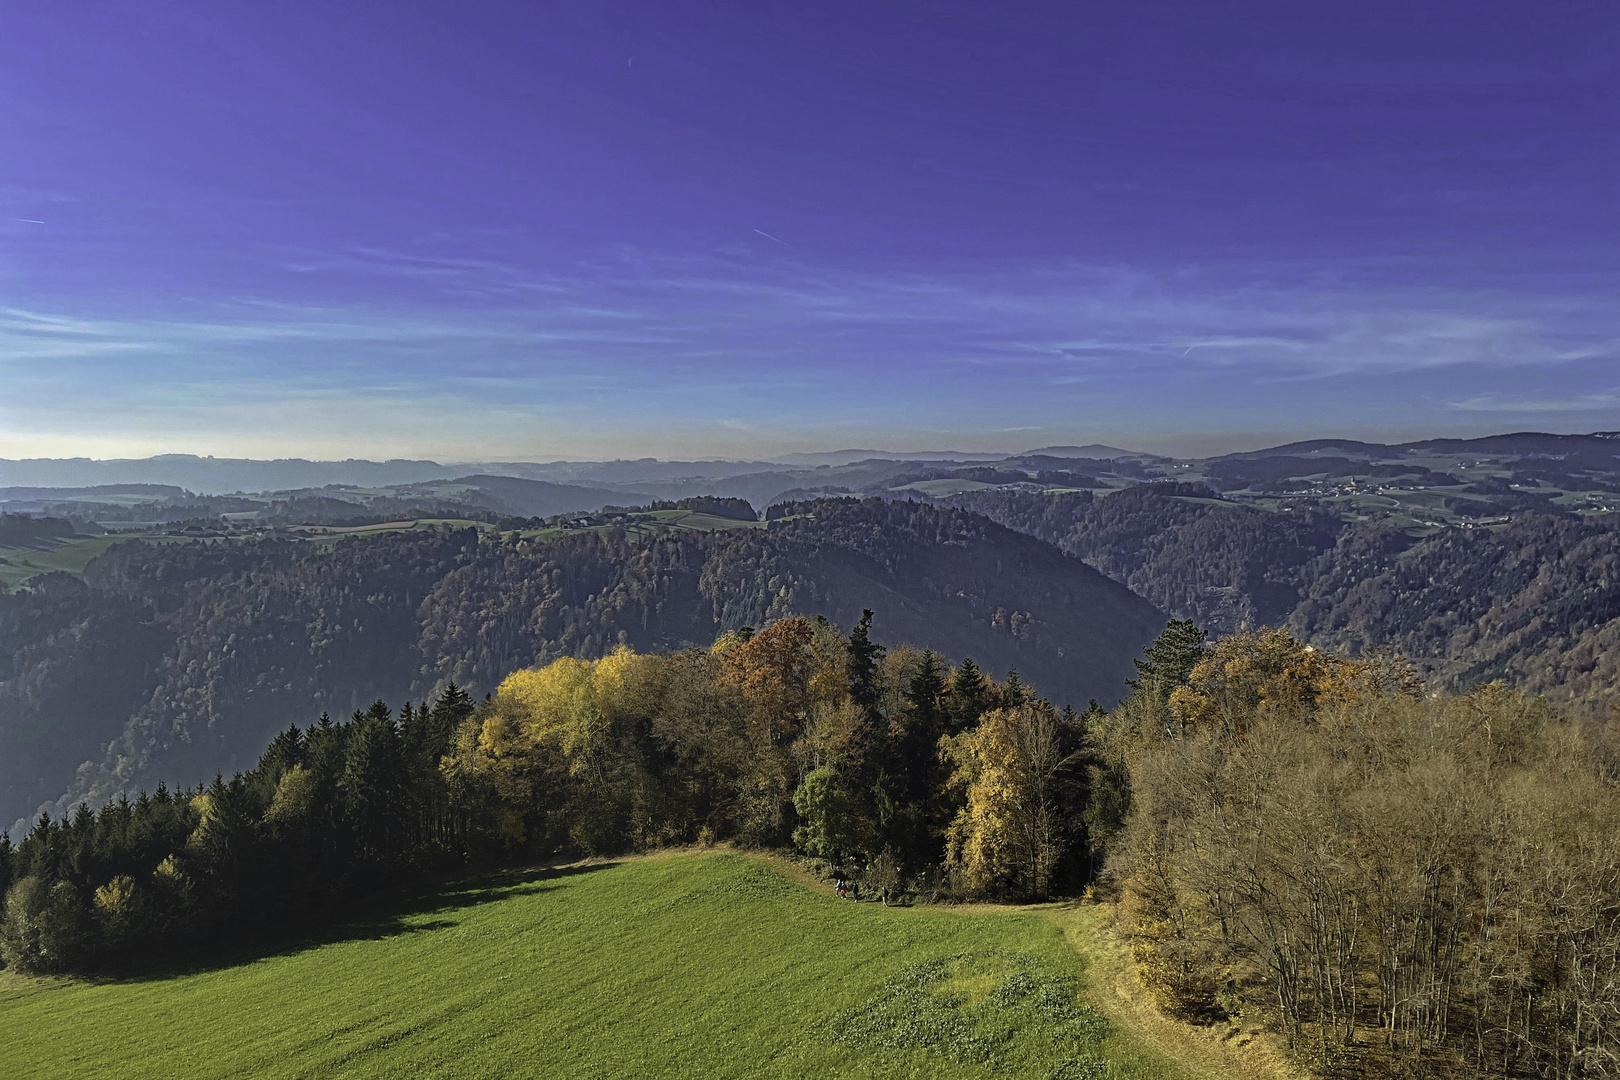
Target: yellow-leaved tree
[(1261, 674), (569, 706), (561, 718), (1011, 832)]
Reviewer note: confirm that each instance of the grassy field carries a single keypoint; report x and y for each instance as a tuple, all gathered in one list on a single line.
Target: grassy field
[(940, 489), (708, 965), (18, 564), (326, 535)]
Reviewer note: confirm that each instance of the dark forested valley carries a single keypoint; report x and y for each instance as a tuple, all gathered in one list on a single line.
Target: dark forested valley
[(183, 660), (1533, 600)]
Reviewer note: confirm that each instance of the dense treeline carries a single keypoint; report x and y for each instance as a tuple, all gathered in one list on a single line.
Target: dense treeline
[(328, 813), (225, 641), (1534, 602), (1402, 883), (883, 763), (23, 530)]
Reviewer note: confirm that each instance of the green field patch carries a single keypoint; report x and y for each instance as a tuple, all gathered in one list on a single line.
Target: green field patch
[(711, 966), (1004, 1009), (326, 535), (1199, 500), (19, 564), (643, 525), (939, 489)]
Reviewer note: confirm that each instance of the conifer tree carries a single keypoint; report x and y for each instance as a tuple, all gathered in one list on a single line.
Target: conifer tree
[(1014, 693), (969, 697), (1170, 659), (373, 783), (867, 754), (865, 660), (452, 706), (6, 855), (919, 727), (285, 751)]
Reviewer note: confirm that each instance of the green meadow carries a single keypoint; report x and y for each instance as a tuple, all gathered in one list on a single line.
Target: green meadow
[(19, 564), (712, 965)]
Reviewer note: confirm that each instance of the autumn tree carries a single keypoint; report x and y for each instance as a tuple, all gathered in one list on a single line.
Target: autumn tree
[(1012, 831), (773, 672)]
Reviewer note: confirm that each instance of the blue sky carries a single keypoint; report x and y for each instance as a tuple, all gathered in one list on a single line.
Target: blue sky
[(502, 231)]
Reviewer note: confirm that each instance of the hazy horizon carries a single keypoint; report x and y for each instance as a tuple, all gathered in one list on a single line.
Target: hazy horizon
[(1191, 446), (658, 229)]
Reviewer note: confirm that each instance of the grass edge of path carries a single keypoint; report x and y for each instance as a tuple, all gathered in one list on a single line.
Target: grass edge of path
[(1184, 1051), (1109, 983)]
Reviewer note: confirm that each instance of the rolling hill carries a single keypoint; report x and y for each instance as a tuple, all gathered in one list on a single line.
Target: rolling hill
[(541, 498)]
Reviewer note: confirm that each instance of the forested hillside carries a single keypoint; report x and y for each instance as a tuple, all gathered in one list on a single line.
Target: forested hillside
[(1533, 600), (1179, 545), (1535, 603), (186, 659)]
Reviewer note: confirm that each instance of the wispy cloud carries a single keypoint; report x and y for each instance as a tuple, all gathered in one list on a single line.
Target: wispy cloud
[(1585, 403), (649, 345)]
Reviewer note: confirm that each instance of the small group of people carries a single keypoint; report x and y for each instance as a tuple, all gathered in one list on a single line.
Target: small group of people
[(851, 890)]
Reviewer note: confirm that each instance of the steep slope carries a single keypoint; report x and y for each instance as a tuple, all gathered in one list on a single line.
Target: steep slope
[(238, 640), (75, 665), (938, 578), (1188, 552), (1533, 601), (1536, 604)]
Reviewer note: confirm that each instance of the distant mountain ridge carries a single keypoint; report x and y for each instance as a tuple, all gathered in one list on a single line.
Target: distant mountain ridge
[(1092, 450), (165, 491), (850, 457), (214, 476), (1517, 442)]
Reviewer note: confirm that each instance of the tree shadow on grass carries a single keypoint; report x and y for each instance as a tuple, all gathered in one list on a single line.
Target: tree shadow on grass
[(391, 913)]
